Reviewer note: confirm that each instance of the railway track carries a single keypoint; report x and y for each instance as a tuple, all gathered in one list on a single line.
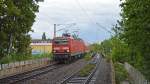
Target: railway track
[(70, 77), (30, 74), (74, 79)]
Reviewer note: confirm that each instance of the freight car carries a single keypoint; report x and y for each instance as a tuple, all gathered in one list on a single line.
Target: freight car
[(67, 48)]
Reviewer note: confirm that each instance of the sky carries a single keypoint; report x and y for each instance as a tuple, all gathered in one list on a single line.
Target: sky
[(77, 15)]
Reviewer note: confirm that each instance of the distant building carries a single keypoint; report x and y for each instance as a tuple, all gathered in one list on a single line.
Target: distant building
[(41, 46)]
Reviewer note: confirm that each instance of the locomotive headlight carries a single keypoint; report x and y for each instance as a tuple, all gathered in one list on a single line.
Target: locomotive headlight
[(67, 50), (54, 51)]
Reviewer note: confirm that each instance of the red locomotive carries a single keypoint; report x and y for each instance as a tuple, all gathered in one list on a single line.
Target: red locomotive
[(67, 48)]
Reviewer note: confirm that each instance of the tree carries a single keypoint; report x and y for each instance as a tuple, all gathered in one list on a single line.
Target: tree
[(134, 29), (94, 47), (16, 19), (43, 36)]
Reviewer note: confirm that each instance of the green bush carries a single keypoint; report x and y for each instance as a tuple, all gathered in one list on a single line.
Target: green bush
[(86, 70), (14, 58), (44, 55), (21, 57), (88, 57), (120, 73)]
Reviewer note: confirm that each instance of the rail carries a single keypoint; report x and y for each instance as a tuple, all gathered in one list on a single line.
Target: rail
[(27, 75), (91, 74), (85, 80), (22, 66)]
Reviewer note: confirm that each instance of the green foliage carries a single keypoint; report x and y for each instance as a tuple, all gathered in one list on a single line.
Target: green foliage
[(134, 30), (86, 70), (132, 40), (88, 57), (20, 57), (14, 58), (120, 51), (44, 55), (120, 73), (95, 48), (106, 47), (16, 19)]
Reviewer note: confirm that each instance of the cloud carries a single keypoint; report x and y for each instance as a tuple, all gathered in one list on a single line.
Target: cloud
[(85, 13)]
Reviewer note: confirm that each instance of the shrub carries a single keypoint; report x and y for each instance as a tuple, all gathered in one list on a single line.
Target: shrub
[(14, 58), (44, 55), (120, 73), (86, 70), (21, 57), (88, 57)]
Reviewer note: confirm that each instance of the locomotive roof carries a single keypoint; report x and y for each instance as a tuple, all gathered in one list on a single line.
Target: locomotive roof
[(67, 37)]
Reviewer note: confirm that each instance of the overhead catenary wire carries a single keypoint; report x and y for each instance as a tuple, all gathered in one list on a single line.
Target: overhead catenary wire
[(91, 19), (104, 28), (85, 12)]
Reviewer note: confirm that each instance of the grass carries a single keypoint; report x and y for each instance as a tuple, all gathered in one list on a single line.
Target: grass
[(86, 70), (120, 73), (14, 58), (20, 57), (44, 55), (88, 57)]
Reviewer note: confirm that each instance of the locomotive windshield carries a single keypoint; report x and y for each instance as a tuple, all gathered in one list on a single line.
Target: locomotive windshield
[(61, 41)]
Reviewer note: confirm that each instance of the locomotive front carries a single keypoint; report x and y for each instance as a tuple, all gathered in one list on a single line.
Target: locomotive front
[(61, 48), (67, 48)]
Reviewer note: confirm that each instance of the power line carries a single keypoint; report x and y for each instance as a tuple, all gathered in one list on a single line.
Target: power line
[(83, 9), (104, 28), (90, 19)]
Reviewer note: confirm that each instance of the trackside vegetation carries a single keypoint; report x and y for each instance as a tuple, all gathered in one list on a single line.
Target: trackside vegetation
[(114, 49), (120, 73), (86, 70), (133, 30), (131, 42), (16, 20), (44, 55), (20, 57), (88, 57)]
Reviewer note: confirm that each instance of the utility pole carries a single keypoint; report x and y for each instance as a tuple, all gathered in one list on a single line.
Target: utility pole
[(54, 30), (55, 25)]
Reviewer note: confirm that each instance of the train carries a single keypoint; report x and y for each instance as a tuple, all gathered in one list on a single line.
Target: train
[(67, 48)]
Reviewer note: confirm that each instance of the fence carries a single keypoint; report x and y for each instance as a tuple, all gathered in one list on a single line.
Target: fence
[(22, 66), (135, 75)]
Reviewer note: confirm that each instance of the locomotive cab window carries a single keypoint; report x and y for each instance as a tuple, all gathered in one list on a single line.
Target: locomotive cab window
[(61, 41)]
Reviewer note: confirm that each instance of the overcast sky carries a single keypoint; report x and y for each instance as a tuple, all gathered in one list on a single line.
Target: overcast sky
[(85, 13)]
